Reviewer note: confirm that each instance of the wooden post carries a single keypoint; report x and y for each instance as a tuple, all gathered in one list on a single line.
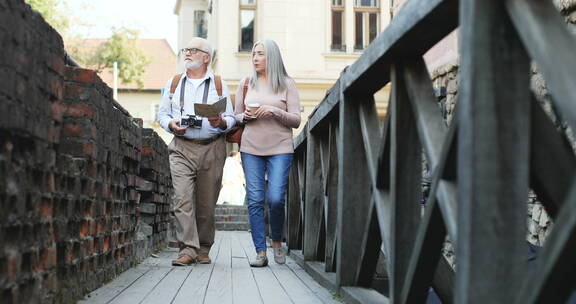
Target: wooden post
[(405, 188), (314, 198), (353, 191), (293, 206), (330, 205), (493, 145)]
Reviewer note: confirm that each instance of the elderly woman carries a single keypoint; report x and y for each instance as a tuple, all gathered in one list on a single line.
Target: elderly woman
[(270, 110)]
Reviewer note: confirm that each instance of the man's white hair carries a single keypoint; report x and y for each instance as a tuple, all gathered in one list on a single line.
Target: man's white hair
[(206, 45)]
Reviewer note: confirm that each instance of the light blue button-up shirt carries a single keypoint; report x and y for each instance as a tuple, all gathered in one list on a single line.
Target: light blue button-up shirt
[(170, 109)]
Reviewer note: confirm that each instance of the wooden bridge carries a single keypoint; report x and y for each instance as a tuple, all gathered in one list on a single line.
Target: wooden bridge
[(355, 187), (229, 279), (356, 228)]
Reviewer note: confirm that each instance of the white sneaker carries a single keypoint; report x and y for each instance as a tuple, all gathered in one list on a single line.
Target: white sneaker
[(260, 261), (279, 255)]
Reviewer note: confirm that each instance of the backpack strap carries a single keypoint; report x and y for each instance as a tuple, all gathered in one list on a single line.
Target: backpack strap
[(177, 77), (175, 81), (218, 83)]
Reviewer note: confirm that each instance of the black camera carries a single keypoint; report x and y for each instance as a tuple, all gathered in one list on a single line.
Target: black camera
[(192, 121)]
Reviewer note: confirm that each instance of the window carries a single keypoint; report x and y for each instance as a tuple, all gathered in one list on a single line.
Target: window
[(200, 24), (366, 3), (337, 43), (366, 20), (247, 19)]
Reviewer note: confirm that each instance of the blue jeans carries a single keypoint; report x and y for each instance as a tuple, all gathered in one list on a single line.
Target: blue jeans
[(276, 168)]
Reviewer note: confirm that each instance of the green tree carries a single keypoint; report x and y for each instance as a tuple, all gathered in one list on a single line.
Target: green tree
[(53, 13), (122, 47)]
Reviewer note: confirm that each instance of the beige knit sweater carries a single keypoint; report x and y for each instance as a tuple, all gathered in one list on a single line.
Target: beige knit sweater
[(271, 135)]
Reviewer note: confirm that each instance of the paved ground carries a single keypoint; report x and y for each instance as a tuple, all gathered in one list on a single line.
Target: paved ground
[(229, 279)]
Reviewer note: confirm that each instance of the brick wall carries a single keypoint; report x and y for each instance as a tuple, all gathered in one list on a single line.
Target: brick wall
[(97, 163), (72, 167), (155, 187)]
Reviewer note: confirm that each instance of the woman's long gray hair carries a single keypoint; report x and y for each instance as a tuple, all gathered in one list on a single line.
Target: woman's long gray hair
[(275, 71)]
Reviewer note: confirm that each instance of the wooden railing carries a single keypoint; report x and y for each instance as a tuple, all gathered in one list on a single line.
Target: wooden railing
[(355, 188)]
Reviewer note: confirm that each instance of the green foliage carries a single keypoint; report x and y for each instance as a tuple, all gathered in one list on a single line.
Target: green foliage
[(53, 13), (122, 47)]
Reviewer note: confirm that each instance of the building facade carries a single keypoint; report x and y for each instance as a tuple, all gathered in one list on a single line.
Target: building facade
[(317, 38)]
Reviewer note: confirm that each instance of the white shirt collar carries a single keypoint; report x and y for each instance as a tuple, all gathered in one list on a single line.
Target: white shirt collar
[(209, 74)]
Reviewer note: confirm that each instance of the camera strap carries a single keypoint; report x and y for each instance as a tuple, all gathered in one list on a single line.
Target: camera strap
[(206, 90), (182, 92)]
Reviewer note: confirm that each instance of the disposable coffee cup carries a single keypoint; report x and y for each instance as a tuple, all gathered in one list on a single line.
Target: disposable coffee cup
[(252, 107)]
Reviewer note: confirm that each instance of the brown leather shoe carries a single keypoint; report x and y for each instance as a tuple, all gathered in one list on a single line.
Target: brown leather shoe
[(203, 258), (183, 260)]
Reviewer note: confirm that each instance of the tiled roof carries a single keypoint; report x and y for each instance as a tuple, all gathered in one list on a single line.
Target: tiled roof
[(162, 64)]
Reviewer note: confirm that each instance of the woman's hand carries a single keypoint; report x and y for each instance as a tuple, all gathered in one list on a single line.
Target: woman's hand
[(266, 111), (248, 115)]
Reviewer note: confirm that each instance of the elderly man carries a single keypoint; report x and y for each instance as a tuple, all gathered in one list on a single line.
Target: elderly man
[(197, 151)]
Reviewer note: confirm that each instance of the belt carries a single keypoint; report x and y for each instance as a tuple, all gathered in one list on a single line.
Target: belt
[(203, 141)]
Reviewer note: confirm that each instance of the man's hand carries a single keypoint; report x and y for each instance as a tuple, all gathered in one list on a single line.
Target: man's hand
[(217, 121), (175, 127)]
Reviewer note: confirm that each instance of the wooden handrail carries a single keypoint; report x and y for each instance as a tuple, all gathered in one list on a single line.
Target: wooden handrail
[(354, 218)]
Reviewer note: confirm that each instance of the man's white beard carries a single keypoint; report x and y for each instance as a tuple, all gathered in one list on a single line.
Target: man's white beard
[(193, 64)]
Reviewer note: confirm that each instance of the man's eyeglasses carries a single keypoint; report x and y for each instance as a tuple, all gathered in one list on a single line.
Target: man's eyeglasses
[(192, 51)]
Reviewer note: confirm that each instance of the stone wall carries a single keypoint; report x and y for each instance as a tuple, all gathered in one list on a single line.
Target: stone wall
[(445, 80), (72, 166)]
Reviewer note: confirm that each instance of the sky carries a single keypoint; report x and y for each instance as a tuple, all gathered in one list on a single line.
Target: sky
[(153, 18)]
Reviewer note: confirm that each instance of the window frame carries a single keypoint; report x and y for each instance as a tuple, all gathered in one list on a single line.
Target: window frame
[(342, 9), (246, 7), (204, 21), (366, 11), (358, 4)]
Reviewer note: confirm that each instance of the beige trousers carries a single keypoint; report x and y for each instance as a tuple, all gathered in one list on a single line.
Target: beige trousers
[(196, 176)]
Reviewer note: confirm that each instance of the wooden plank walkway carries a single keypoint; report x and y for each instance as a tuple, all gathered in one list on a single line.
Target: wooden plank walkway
[(229, 279)]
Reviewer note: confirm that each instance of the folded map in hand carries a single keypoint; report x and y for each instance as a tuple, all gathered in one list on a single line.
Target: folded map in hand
[(210, 110)]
